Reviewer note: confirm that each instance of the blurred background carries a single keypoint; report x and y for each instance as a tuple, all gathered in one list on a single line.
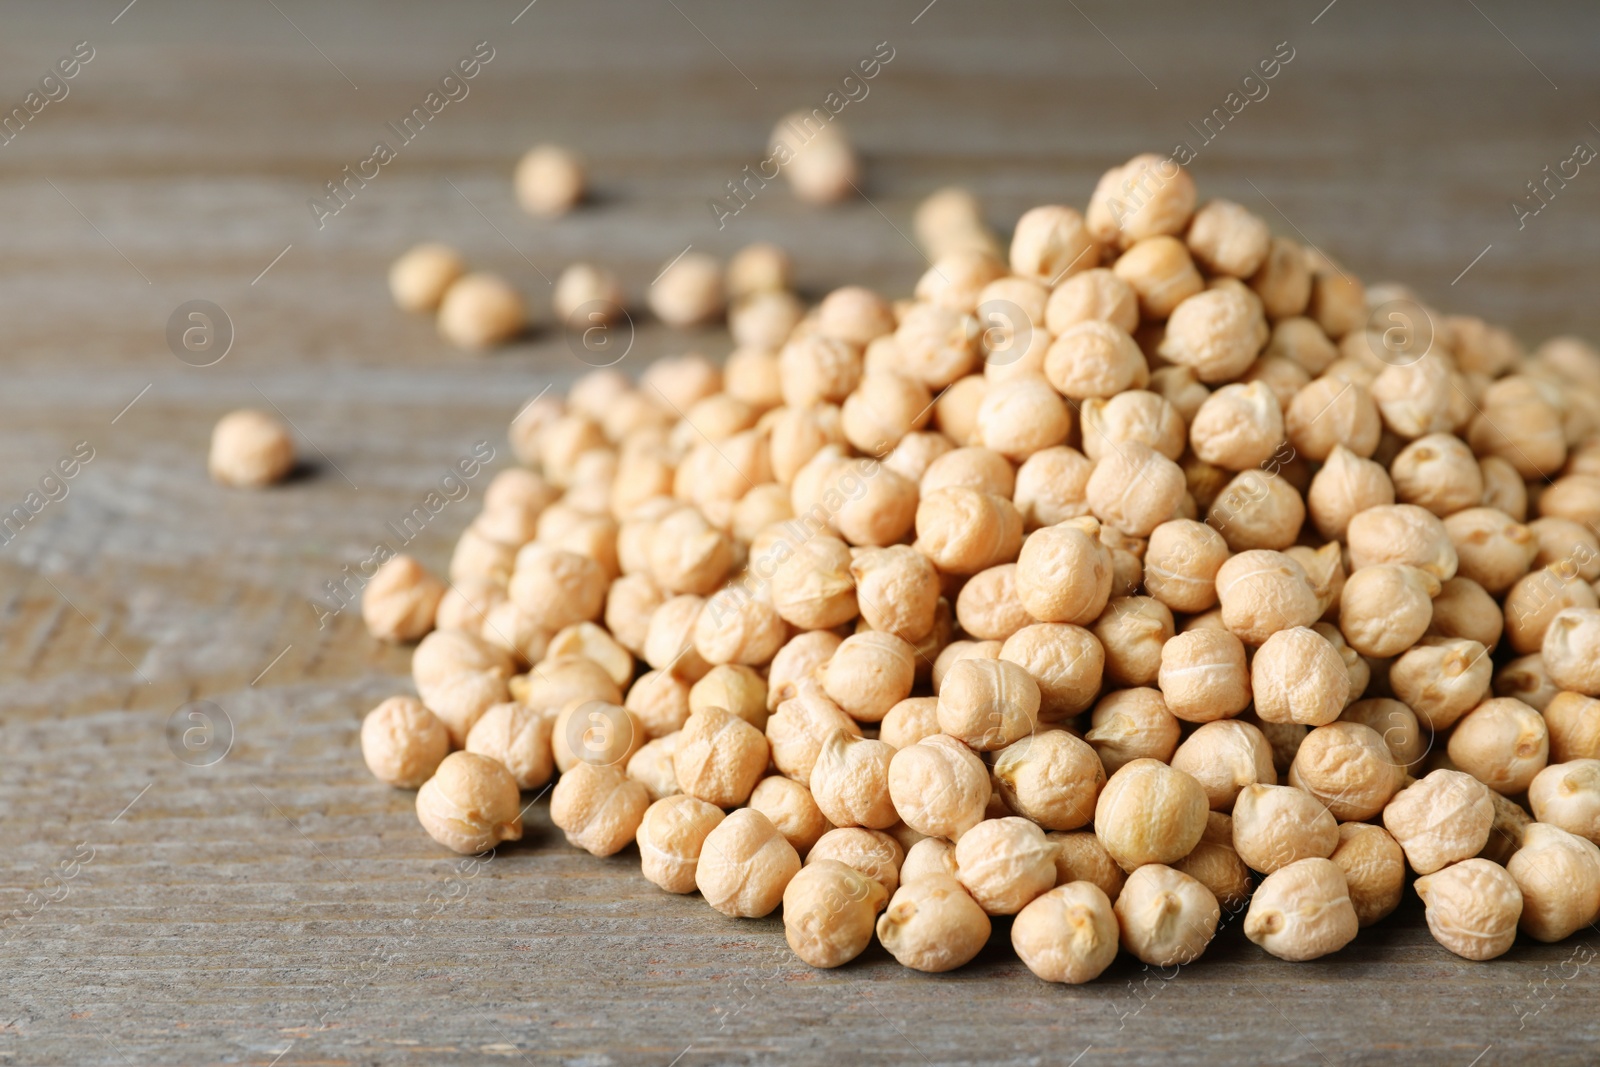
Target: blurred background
[(227, 896)]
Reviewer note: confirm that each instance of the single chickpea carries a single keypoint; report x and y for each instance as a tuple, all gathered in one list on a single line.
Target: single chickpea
[(797, 730), (884, 407), (1133, 631), (1023, 416), (1214, 864), (937, 345), (1068, 934), (1282, 377), (796, 660), (481, 310), (1004, 863), (1275, 825), (688, 292), (964, 531), (1228, 239), (470, 805), (1052, 778), (1203, 676), (1149, 813), (1262, 592), (549, 180), (1167, 917), (1257, 509), (916, 452), (733, 688), (461, 699), (855, 314), (1465, 611), (956, 279), (1136, 415), (1302, 911), (1571, 650), (1330, 413), (1066, 661), (745, 865), (1298, 676), (1181, 564), (758, 267), (813, 588), (872, 852), (1217, 333), (751, 375), (1283, 281), (988, 607), (735, 627), (250, 449), (910, 721), (1442, 680), (850, 781), (1374, 869), (1386, 608), (1224, 757), (1161, 273), (518, 738), (445, 653), (1346, 486), (418, 279), (1518, 423), (973, 467), (1568, 795), (1080, 857), (403, 742), (595, 731), (933, 925), (1238, 427), (1146, 196), (1569, 546), (659, 700), (1472, 908), (1349, 768), (1574, 724), (1558, 874), (897, 589), (652, 765), (1135, 489), (1302, 341), (556, 588), (1095, 359), (589, 641), (1092, 295), (764, 320), (719, 757), (869, 673), (1536, 599), (1049, 242), (1438, 472), (1492, 548), (988, 703), (1503, 743), (1064, 573), (400, 600), (1132, 724), (1440, 820), (671, 836), (828, 913), (797, 435), (792, 810)]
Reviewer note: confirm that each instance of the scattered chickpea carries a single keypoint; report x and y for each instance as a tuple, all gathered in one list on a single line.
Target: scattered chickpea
[(1441, 819), (1275, 825), (1068, 934), (518, 738), (671, 836), (1472, 908), (1573, 721), (549, 180), (470, 805), (403, 742), (1167, 917), (1302, 911), (1149, 813), (418, 279), (1225, 756), (987, 703), (481, 310), (688, 292), (1558, 874), (1503, 743), (250, 449), (745, 864), (1004, 863), (1052, 778), (933, 925), (829, 912)]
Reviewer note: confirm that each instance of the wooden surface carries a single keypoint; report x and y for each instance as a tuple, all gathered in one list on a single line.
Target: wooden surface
[(279, 905)]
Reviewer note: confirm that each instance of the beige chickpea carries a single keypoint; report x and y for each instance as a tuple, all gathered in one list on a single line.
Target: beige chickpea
[(719, 757), (1568, 795), (250, 449), (797, 730), (1511, 821), (1374, 869), (1257, 509), (591, 642), (1349, 768), (1066, 661), (1526, 679), (797, 435), (1224, 757), (1558, 875), (1302, 341), (855, 314), (1569, 546), (761, 508), (850, 781), (1283, 281), (480, 607), (937, 345), (1503, 743), (1338, 302), (659, 700), (403, 742), (1004, 863), (764, 319), (1135, 489), (988, 607), (652, 765), (1416, 398), (1275, 825), (792, 810), (470, 805), (829, 911), (595, 731), (400, 600), (671, 837), (481, 310), (1238, 427), (549, 180), (973, 467), (1518, 423), (933, 925), (1228, 239), (1571, 650), (988, 703), (1534, 602), (1386, 608), (955, 279), (1023, 416), (1162, 275), (688, 291), (1136, 415), (1149, 813), (883, 408), (558, 683), (1167, 917), (872, 852), (1069, 934), (1214, 864), (1283, 377), (964, 531), (1262, 592), (461, 699), (1080, 857), (1092, 295), (1472, 908), (1464, 611), (735, 627), (1203, 676), (916, 452), (1492, 548), (1133, 631), (1095, 359), (418, 279), (1181, 564), (751, 375), (1440, 820), (910, 721), (1064, 573), (1330, 413), (1438, 472), (445, 653), (518, 738), (1052, 778), (1216, 333), (1574, 497), (897, 589), (1302, 911), (733, 688), (938, 786), (869, 673), (1573, 721), (796, 660), (1442, 680), (1049, 242), (557, 588), (1344, 487), (1146, 196), (1298, 676), (813, 588), (1132, 724), (745, 865)]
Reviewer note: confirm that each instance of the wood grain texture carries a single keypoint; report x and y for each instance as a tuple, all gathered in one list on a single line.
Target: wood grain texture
[(279, 905)]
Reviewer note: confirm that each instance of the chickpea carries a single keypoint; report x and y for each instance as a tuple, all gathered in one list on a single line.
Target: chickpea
[(250, 449), (595, 731), (688, 293), (850, 781), (1441, 819), (870, 673), (1438, 472), (1020, 417), (897, 589), (872, 852), (400, 600), (988, 607), (1216, 333), (1238, 427), (733, 688), (1492, 548), (797, 435), (1064, 573), (1049, 242), (671, 836), (1052, 778), (800, 726), (796, 660), (1215, 865), (1301, 341), (1275, 825), (792, 810), (1573, 721), (1262, 592), (470, 805), (1558, 875), (1224, 757), (1004, 863), (1149, 813), (1283, 281), (1517, 423), (938, 786), (1302, 911), (1283, 377), (1161, 273), (461, 699), (1093, 358), (481, 310), (1472, 908), (1503, 743), (1066, 661), (1571, 650), (1080, 857), (659, 700), (1348, 767), (518, 738), (652, 765), (933, 925), (1167, 917), (1465, 611), (1181, 564), (973, 467), (1386, 608), (1136, 415), (964, 531), (745, 864), (1092, 295), (956, 278), (1135, 489), (1133, 631), (988, 703), (828, 913), (1298, 676), (1346, 486), (1536, 599), (1568, 795), (883, 408), (1068, 934), (813, 588), (1132, 724), (1329, 413), (1374, 869), (1144, 197), (910, 721), (719, 757), (403, 742), (418, 279), (1228, 239), (1442, 680)]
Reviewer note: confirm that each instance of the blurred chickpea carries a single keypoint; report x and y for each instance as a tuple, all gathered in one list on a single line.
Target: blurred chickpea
[(1146, 196), (1492, 548), (813, 588), (937, 345), (250, 449), (481, 310), (1571, 650), (1518, 424), (884, 407), (418, 279), (971, 467), (1021, 417), (1573, 721), (1227, 239), (1536, 599), (1329, 413), (549, 180), (1283, 281), (1095, 359), (1135, 415), (688, 292), (796, 661), (1052, 486), (1302, 341)]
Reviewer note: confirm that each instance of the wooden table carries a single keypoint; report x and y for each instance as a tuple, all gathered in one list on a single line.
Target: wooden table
[(279, 906)]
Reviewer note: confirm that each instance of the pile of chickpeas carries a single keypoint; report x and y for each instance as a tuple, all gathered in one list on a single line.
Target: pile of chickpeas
[(1151, 573)]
